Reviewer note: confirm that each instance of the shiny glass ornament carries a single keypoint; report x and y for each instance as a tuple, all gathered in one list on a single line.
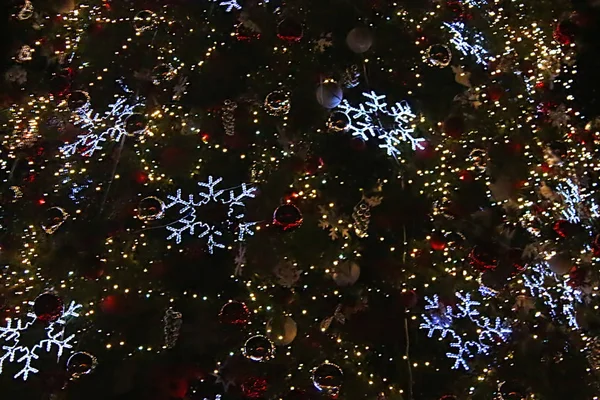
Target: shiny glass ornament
[(288, 217), (338, 122), (48, 307), (53, 219), (359, 39), (277, 103), (163, 73), (479, 158), (290, 30), (151, 208), (136, 124), (78, 100), (81, 363), (328, 378), (234, 313), (259, 348), (438, 55), (282, 330), (144, 20)]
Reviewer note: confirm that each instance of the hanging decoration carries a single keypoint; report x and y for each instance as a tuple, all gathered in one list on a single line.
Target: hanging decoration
[(77, 100), (361, 215), (461, 42), (351, 77), (81, 363), (25, 54), (53, 219), (228, 116), (26, 11), (113, 126), (172, 325), (555, 291), (48, 307), (338, 122), (234, 313), (329, 94), (438, 55), (440, 317), (14, 352), (290, 30), (328, 378), (287, 217), (359, 39), (163, 73), (277, 103), (144, 20), (367, 125), (282, 330), (151, 208), (192, 222), (259, 348)]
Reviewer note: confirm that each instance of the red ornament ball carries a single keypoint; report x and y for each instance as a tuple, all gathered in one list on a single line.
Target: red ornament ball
[(93, 270), (563, 228), (358, 144), (110, 304), (234, 313), (288, 217), (465, 176), (244, 33), (495, 92), (456, 8), (481, 259), (576, 277), (564, 33), (290, 30), (454, 126), (140, 177), (409, 298), (254, 387), (48, 307), (437, 243), (596, 246)]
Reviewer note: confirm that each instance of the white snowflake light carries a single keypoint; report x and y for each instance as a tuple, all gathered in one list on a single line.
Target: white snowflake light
[(555, 292), (476, 3), (365, 123), (99, 129), (572, 199), (440, 318), (55, 336), (460, 42), (231, 5), (190, 221)]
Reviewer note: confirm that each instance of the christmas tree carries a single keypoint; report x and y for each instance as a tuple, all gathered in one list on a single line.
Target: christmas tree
[(298, 200)]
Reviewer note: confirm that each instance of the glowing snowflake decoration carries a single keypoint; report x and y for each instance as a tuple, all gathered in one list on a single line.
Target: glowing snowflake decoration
[(365, 122), (55, 337), (231, 5), (100, 128), (462, 44), (554, 291), (440, 318), (191, 223), (476, 3)]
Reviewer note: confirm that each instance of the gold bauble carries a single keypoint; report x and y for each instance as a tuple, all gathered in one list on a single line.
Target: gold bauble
[(282, 330)]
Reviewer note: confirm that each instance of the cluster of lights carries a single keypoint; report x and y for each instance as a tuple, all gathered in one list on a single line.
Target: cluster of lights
[(439, 182)]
